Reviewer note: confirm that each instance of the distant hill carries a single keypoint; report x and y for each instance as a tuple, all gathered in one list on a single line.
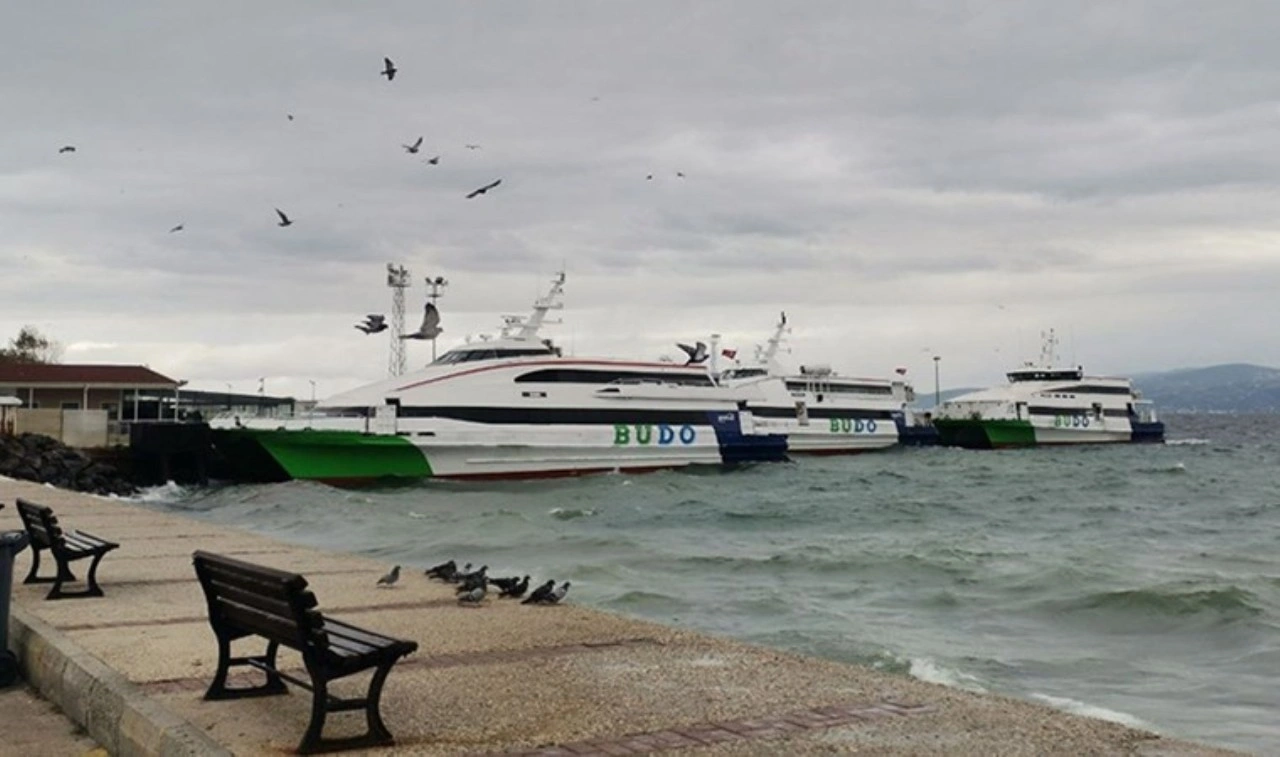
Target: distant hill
[(1230, 388)]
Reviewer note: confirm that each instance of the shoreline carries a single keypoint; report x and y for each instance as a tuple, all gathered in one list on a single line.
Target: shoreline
[(496, 680)]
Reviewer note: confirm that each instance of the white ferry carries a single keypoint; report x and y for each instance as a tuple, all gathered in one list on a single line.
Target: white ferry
[(1043, 404), (507, 407), (817, 410)]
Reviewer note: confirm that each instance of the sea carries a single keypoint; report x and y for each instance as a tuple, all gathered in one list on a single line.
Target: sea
[(1134, 583)]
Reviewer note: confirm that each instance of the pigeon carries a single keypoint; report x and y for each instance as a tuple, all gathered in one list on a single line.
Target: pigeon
[(176, 228), (697, 353), (679, 175), (558, 594), (473, 596), (373, 326), (413, 148), (442, 570), (430, 328), (517, 590), (67, 148), (472, 580), (540, 594), (434, 161), (503, 583), (284, 219), (390, 70), (485, 188), (472, 147), (390, 578), (648, 177), (289, 116)]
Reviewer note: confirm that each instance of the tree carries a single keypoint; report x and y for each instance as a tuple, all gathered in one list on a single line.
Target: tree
[(30, 346)]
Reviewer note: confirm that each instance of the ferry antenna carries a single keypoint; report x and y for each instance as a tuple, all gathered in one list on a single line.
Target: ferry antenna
[(398, 280), (435, 285)]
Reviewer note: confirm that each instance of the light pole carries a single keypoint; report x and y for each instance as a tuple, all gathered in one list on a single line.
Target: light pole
[(228, 396), (937, 388), (311, 411), (436, 285)]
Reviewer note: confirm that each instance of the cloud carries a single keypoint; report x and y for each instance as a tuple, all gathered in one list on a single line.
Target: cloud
[(891, 174)]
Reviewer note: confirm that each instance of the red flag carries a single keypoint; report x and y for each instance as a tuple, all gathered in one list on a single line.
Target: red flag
[(731, 354)]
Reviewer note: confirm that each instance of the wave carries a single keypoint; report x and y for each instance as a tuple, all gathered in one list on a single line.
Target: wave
[(933, 671), (570, 513), (1174, 468), (1076, 707), (168, 492), (1193, 442), (1227, 603)]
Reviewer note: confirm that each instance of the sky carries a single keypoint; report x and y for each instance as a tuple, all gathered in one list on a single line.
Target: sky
[(906, 180)]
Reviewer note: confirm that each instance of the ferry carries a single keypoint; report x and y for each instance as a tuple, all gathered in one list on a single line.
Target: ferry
[(506, 407), (1044, 404), (817, 410)]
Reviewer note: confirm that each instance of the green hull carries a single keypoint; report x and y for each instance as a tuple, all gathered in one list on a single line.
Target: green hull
[(329, 456), (984, 434)]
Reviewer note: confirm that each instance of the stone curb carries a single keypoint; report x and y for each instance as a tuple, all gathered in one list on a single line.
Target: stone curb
[(115, 712)]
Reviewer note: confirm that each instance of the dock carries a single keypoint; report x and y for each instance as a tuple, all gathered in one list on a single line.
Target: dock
[(501, 679)]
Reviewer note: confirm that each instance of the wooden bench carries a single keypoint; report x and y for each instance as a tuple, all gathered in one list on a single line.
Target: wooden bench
[(66, 546), (246, 600)]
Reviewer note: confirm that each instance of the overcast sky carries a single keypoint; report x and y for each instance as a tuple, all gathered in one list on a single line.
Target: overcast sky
[(903, 178)]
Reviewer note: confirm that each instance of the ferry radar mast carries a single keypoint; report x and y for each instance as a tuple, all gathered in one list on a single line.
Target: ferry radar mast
[(398, 280)]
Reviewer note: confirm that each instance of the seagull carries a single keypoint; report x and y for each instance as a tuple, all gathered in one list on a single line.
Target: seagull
[(697, 353), (390, 70), (430, 328), (472, 597), (485, 188), (176, 228), (442, 570), (434, 161), (413, 148), (472, 147), (284, 219), (67, 148), (558, 594), (390, 579), (540, 594), (517, 590)]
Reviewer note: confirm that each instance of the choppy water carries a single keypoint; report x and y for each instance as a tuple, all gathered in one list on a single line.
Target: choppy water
[(1135, 583)]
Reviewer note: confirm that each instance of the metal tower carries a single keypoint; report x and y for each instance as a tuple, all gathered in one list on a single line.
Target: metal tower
[(398, 280), (435, 285)]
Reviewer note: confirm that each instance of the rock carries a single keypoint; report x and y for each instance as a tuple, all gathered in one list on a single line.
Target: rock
[(41, 458)]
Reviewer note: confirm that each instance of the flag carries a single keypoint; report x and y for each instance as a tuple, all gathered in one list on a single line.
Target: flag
[(731, 354), (900, 371)]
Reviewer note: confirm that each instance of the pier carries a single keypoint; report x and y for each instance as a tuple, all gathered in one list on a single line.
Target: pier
[(131, 669)]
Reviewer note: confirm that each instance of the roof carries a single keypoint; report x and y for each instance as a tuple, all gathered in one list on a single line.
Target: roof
[(49, 374)]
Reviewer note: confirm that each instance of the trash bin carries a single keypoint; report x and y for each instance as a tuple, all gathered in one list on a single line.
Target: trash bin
[(11, 543)]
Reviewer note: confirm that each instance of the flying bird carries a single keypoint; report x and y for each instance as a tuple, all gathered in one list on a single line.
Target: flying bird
[(472, 147), (679, 174), (284, 219), (289, 116), (648, 177), (373, 324), (697, 353), (413, 148), (485, 188), (67, 148), (430, 328), (434, 161), (390, 70), (390, 578), (176, 228), (540, 594)]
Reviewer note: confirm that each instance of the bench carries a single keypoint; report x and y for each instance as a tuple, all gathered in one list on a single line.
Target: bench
[(253, 600), (66, 546)]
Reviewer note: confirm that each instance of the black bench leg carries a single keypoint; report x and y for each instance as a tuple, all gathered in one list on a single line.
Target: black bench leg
[(377, 734), (92, 578), (218, 688), (64, 573)]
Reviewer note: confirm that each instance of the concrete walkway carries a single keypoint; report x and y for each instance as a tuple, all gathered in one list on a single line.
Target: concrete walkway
[(499, 679), (33, 727)]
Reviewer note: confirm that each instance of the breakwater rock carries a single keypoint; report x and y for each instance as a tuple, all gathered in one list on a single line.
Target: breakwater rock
[(33, 457)]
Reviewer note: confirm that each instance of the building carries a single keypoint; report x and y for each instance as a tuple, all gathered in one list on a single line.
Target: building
[(84, 405)]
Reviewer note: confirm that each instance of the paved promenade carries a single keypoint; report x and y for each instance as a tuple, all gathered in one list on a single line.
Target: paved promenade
[(498, 679)]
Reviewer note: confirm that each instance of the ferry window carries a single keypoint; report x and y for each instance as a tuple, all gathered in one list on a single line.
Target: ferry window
[(585, 376)]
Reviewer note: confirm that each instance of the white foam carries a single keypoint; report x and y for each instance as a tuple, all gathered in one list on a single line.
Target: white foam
[(930, 671), (166, 492), (1186, 442), (1077, 707)]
